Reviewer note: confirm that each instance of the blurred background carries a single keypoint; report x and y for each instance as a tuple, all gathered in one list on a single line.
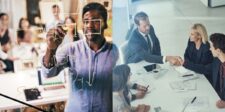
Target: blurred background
[(24, 24)]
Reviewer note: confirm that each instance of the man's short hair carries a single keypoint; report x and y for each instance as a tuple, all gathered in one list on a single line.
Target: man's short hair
[(55, 6), (140, 16), (218, 41), (3, 14), (99, 8)]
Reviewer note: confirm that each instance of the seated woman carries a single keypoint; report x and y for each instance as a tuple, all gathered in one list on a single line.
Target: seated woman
[(197, 54), (121, 76), (217, 46)]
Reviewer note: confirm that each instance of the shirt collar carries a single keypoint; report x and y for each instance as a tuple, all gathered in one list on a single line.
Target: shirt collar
[(223, 64), (102, 48), (141, 33)]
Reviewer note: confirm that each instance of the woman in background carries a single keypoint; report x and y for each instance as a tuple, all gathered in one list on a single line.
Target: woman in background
[(197, 55), (72, 33), (24, 24), (121, 77)]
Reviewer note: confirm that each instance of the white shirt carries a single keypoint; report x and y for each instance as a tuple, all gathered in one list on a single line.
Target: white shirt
[(53, 24), (23, 51)]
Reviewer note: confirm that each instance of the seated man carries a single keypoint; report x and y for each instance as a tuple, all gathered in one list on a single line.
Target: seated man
[(144, 45), (217, 46)]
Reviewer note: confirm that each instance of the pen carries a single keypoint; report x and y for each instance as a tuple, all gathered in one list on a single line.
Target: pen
[(187, 75), (190, 79), (147, 88), (193, 99)]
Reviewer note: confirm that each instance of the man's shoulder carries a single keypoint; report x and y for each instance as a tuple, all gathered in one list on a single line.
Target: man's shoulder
[(111, 45)]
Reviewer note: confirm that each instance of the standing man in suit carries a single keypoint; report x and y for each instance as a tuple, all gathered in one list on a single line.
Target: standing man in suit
[(144, 45), (217, 46)]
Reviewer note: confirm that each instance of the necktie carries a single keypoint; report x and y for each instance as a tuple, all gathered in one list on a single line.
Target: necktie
[(149, 43), (221, 79)]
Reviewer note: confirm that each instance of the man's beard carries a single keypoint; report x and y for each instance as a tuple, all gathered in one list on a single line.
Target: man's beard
[(93, 35)]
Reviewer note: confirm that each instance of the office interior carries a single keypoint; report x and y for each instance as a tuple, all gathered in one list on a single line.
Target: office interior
[(39, 14), (171, 19)]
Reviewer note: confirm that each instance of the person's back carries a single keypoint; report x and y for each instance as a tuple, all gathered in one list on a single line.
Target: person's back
[(121, 76), (120, 104)]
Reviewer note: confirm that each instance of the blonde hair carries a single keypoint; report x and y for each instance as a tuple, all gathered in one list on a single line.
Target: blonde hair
[(201, 30)]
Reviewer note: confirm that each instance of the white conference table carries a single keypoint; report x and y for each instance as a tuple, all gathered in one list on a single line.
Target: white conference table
[(161, 94), (12, 84)]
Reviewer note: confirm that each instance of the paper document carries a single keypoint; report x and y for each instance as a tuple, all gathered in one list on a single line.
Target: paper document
[(183, 86), (182, 70), (201, 104)]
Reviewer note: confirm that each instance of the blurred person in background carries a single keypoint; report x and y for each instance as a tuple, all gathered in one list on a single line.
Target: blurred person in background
[(72, 33), (57, 20), (6, 41), (24, 24)]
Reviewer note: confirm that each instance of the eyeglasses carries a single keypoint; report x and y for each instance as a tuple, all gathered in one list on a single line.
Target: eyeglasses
[(92, 21)]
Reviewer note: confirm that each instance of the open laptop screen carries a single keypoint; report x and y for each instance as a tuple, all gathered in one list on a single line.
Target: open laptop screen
[(59, 79)]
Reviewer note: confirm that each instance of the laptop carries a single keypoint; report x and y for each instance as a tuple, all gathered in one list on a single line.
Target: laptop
[(53, 83)]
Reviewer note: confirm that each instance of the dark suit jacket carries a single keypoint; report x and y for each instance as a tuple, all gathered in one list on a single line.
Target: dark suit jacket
[(198, 61), (215, 78), (137, 48)]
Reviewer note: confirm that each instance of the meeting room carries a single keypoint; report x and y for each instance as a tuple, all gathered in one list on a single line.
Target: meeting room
[(171, 55)]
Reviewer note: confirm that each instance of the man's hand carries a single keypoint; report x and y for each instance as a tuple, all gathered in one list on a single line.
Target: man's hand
[(55, 37), (220, 104), (174, 60), (141, 88), (142, 108), (140, 94)]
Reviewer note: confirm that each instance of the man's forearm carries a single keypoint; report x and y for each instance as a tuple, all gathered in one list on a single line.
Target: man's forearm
[(49, 60)]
